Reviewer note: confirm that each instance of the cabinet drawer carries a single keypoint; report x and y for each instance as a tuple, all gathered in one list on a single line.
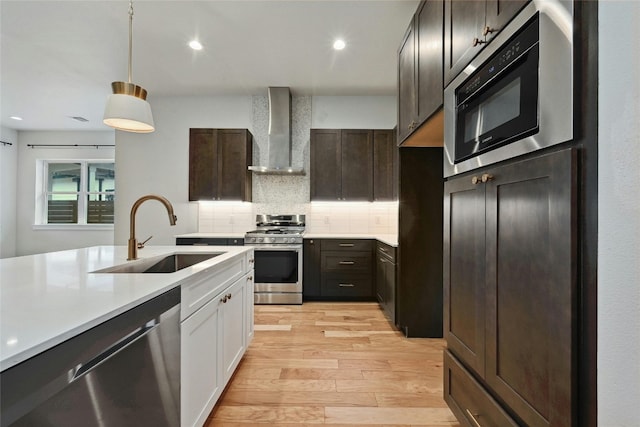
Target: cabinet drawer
[(197, 291), (387, 251), (347, 285), (346, 261), (346, 245), (467, 398)]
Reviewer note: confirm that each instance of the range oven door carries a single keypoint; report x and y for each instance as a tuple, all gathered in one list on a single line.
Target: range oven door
[(278, 269)]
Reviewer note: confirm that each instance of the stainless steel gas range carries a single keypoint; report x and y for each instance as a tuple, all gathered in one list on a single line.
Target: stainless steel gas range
[(277, 243)]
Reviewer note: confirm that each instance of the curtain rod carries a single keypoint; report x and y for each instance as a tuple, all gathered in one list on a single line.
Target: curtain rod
[(69, 145), (5, 143)]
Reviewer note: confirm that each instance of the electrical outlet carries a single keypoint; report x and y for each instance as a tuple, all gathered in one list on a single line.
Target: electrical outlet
[(377, 220), (326, 219)]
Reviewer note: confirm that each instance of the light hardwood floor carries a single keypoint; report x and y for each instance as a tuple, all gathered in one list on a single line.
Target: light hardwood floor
[(334, 363)]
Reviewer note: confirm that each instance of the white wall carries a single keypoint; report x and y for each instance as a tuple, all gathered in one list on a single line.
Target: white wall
[(618, 214), (8, 183), (30, 241), (353, 112), (158, 163)]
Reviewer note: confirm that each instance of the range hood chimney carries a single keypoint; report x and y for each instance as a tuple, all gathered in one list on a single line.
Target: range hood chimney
[(279, 146)]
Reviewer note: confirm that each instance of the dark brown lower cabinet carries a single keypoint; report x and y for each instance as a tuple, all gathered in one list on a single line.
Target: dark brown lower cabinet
[(338, 269), (386, 279), (510, 263)]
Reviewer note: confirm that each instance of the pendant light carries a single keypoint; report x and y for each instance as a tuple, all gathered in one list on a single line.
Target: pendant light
[(127, 109)]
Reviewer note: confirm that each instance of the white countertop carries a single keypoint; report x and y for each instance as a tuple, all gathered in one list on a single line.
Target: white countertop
[(46, 299), (389, 239)]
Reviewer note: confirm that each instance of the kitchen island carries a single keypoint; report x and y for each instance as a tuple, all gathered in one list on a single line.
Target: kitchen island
[(48, 298), (79, 319)]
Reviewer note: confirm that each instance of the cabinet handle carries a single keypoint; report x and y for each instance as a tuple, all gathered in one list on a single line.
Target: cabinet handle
[(488, 30), (346, 245), (477, 41), (382, 250), (475, 180), (346, 262), (223, 299), (473, 418), (486, 177), (229, 296), (250, 278), (382, 260), (346, 285), (251, 261)]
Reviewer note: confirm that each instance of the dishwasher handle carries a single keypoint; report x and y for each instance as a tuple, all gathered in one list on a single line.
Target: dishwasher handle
[(83, 369)]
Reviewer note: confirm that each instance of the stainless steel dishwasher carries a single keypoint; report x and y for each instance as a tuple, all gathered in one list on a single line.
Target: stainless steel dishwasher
[(123, 372)]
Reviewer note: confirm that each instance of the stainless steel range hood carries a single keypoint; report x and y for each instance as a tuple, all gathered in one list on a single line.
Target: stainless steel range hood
[(279, 146)]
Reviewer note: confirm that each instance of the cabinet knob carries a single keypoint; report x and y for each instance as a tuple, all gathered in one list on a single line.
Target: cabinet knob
[(488, 30), (228, 296), (250, 278), (486, 177), (475, 180), (477, 41)]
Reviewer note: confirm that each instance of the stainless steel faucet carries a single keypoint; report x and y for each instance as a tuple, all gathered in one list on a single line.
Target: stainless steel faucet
[(133, 244)]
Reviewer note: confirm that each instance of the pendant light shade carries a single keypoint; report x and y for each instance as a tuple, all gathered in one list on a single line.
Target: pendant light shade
[(127, 109)]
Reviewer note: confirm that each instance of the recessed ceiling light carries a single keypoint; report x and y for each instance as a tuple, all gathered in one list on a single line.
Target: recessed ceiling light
[(195, 45), (15, 118), (339, 44)]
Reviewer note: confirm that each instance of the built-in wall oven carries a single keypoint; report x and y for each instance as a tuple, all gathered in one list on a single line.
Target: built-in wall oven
[(277, 244), (516, 96)]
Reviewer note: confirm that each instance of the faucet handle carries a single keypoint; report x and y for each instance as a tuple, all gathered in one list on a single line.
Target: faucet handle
[(141, 245)]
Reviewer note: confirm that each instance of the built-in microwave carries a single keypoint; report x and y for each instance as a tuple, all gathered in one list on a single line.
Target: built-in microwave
[(516, 96)]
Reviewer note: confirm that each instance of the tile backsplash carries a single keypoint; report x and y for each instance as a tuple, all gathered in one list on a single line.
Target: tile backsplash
[(322, 217)]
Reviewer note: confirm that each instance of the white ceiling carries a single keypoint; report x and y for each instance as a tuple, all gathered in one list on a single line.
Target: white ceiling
[(58, 58)]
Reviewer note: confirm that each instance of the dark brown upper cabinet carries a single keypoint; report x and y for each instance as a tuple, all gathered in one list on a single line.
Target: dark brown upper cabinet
[(385, 165), (420, 68), (349, 164), (469, 25), (218, 162)]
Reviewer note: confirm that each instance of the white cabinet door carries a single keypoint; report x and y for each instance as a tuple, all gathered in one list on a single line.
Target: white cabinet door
[(249, 307), (201, 375), (233, 326)]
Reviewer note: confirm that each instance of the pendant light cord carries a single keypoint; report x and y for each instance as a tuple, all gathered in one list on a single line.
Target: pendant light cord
[(130, 36)]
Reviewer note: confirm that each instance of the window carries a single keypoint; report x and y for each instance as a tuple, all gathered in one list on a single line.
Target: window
[(78, 192)]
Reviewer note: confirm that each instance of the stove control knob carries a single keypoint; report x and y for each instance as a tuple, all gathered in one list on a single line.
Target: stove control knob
[(292, 240), (252, 240), (260, 239), (268, 240)]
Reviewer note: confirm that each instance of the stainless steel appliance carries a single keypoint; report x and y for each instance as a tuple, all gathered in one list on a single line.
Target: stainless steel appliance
[(123, 372), (277, 243), (516, 96)]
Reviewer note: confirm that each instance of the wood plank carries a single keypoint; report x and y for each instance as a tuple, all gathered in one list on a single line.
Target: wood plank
[(269, 414), (411, 400), (282, 385), (323, 374), (412, 416), (386, 386), (297, 398)]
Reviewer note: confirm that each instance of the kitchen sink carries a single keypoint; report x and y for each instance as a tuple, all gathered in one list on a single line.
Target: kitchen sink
[(163, 264)]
